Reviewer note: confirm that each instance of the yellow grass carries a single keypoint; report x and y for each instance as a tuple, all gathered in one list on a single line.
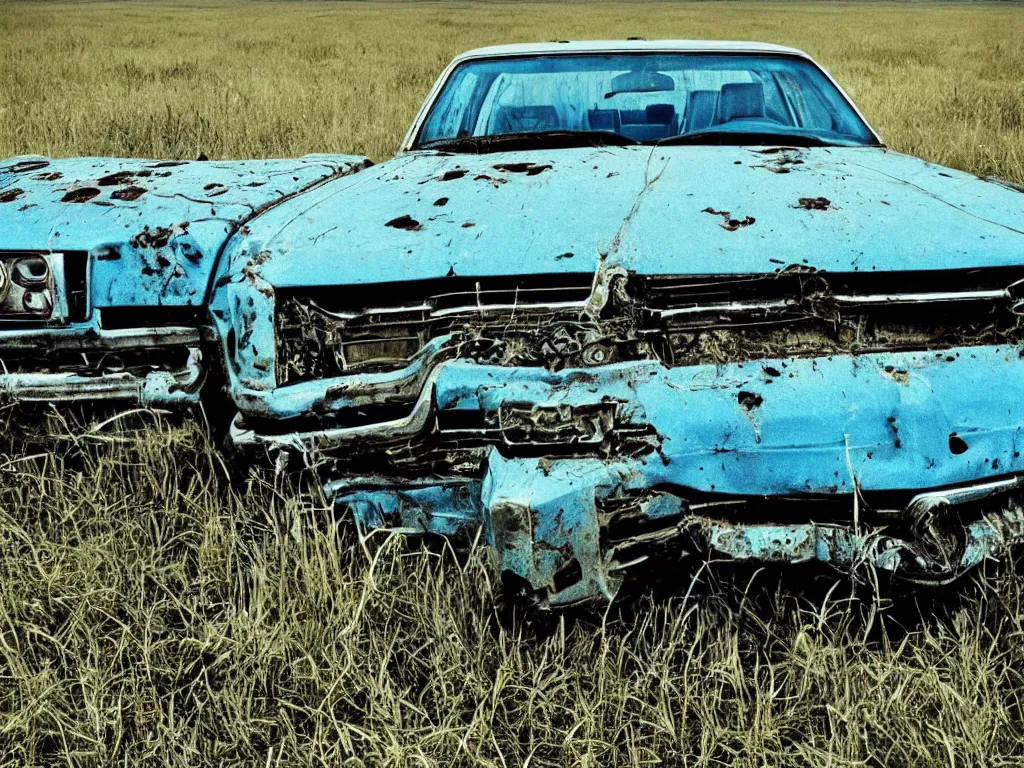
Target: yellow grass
[(259, 79), (154, 612)]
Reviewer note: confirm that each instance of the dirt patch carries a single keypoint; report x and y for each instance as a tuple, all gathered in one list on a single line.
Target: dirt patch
[(814, 203), (80, 195), (406, 222), (115, 179), (128, 193), (530, 169), (728, 222)]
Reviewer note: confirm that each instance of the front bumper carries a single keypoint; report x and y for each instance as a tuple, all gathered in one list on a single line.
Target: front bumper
[(171, 385), (859, 436)]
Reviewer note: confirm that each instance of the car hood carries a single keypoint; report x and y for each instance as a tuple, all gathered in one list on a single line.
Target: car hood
[(154, 229), (670, 210)]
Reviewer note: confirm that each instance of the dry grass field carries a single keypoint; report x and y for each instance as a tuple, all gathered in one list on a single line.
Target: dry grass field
[(154, 612)]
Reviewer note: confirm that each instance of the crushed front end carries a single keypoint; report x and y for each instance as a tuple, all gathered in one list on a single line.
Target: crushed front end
[(590, 424)]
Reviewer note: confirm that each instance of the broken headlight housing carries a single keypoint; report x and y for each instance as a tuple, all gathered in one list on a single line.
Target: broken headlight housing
[(32, 287)]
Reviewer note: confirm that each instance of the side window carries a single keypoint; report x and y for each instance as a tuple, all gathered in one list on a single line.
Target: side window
[(450, 113), (811, 110), (774, 102)]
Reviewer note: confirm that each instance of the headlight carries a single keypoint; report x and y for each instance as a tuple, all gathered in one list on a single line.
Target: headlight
[(30, 287), (5, 282)]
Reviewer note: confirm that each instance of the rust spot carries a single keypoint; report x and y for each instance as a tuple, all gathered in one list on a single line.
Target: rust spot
[(10, 195), (781, 162), (26, 166), (898, 375), (956, 444), (80, 195), (108, 253), (458, 173), (114, 179), (469, 224), (494, 180), (729, 223), (814, 203), (749, 400), (128, 193), (48, 176), (157, 237), (405, 222), (251, 273), (441, 201), (530, 169)]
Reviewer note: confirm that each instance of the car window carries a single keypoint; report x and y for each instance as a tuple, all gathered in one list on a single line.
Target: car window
[(646, 97)]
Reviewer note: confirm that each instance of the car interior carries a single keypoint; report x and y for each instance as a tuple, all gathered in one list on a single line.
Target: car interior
[(734, 102)]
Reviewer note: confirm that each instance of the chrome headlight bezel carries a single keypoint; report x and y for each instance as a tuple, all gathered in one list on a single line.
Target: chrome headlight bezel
[(32, 288)]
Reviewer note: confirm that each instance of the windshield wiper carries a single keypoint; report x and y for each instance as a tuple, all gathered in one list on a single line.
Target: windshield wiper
[(532, 140), (738, 138)]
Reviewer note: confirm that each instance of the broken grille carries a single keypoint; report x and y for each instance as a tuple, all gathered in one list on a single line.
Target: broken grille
[(573, 320), (799, 312), (381, 327)]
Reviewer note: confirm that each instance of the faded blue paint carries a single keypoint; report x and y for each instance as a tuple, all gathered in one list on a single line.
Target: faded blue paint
[(888, 212), (153, 229)]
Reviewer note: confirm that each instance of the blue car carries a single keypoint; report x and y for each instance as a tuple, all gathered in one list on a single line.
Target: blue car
[(612, 304)]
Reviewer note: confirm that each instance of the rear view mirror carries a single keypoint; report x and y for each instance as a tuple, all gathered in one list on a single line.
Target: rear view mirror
[(644, 81)]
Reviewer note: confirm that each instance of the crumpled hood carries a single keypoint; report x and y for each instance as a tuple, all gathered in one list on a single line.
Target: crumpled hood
[(671, 210), (153, 229)]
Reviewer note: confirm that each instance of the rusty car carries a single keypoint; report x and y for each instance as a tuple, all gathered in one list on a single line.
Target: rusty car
[(610, 303)]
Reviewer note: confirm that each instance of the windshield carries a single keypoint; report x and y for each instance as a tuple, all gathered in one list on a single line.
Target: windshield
[(647, 97)]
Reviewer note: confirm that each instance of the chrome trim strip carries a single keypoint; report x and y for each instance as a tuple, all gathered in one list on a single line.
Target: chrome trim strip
[(154, 389)]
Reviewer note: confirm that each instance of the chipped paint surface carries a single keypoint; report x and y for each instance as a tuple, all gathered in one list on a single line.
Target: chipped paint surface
[(887, 211), (154, 228), (593, 356)]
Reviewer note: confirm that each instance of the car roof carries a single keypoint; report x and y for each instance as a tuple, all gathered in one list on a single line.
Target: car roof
[(628, 46)]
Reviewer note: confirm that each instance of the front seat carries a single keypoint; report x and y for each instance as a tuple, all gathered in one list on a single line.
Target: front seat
[(700, 111), (739, 101), (526, 119)]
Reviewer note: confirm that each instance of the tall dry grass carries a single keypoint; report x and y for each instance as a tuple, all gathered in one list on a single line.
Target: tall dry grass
[(154, 612), (256, 79)]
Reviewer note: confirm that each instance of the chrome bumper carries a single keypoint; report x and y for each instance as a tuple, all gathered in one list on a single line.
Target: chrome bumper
[(156, 388)]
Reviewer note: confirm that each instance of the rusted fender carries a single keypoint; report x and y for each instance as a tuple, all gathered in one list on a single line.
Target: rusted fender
[(153, 229)]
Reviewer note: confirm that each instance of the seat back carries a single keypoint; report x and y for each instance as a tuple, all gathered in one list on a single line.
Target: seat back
[(525, 119), (740, 100), (700, 110), (604, 120)]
